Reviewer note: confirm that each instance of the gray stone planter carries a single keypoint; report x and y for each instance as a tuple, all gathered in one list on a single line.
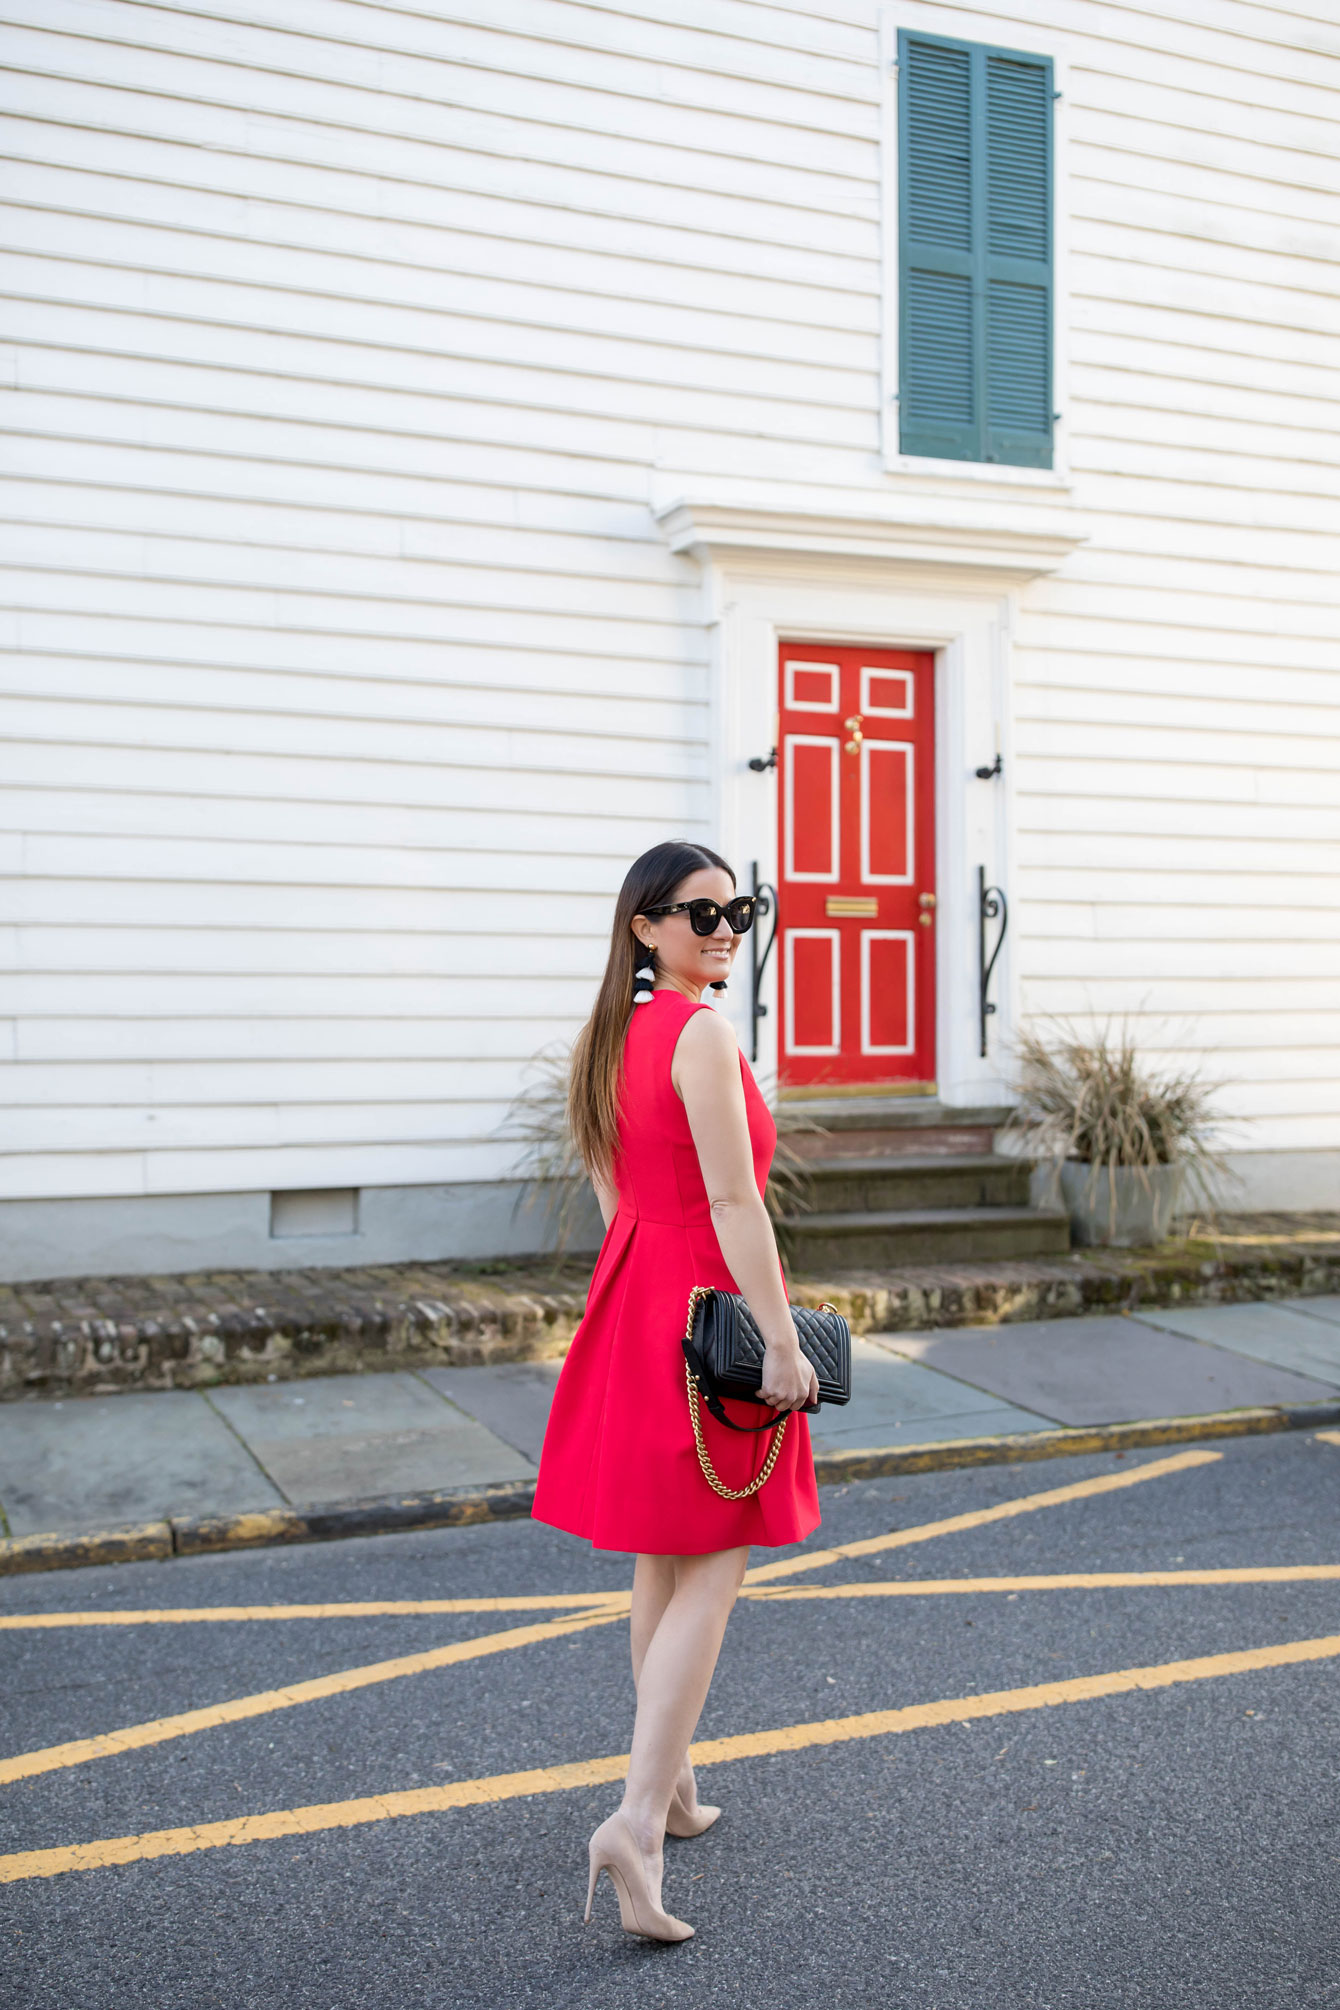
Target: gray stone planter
[(1133, 1216)]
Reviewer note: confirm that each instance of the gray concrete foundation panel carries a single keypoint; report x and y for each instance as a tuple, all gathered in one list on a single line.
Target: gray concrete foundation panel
[(145, 1234)]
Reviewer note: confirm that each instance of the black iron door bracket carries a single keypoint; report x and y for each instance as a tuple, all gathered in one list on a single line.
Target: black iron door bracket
[(766, 895), (991, 906)]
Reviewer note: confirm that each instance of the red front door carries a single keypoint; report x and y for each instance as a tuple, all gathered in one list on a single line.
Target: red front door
[(856, 877)]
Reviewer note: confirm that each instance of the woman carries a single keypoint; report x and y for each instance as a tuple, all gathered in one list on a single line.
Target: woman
[(678, 1141)]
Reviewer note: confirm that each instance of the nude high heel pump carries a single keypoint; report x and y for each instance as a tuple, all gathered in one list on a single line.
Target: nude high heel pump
[(682, 1821), (613, 1849)]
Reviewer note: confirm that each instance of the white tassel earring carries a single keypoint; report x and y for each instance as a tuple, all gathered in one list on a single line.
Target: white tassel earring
[(644, 975)]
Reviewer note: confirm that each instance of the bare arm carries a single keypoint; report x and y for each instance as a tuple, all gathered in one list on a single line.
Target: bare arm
[(606, 1198), (706, 1074)]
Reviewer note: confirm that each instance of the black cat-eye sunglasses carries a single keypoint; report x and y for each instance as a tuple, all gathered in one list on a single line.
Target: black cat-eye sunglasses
[(705, 915)]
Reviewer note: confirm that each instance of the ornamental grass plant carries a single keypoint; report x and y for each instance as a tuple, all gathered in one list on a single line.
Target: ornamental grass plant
[(1091, 1097), (549, 1165)]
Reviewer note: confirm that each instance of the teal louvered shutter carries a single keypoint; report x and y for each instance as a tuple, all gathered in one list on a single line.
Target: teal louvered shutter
[(975, 263), (937, 340), (1018, 260)]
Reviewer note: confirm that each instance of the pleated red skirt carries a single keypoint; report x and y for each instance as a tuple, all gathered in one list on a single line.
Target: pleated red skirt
[(619, 1465)]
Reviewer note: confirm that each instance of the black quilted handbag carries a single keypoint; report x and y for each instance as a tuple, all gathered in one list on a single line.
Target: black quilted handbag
[(723, 1356)]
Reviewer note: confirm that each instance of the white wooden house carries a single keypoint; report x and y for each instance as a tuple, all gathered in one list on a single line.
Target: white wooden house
[(445, 443)]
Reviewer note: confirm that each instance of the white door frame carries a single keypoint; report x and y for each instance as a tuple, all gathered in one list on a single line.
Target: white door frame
[(752, 610), (906, 570)]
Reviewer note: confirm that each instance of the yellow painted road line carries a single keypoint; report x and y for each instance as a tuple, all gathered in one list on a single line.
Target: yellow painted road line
[(1329, 1437), (596, 1772), (375, 1608), (1079, 1490), (1094, 1580), (157, 1732), (1284, 1573)]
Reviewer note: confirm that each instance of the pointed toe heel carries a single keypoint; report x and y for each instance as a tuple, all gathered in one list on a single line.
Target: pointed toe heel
[(614, 1849), (682, 1821)]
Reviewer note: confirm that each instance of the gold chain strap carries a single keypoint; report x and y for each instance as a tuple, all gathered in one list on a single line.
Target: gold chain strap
[(705, 1457), (698, 1292)]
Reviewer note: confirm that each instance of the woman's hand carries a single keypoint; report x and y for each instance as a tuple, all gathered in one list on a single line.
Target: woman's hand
[(789, 1382)]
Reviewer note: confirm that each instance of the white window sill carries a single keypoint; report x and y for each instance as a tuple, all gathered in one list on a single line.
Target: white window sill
[(977, 474)]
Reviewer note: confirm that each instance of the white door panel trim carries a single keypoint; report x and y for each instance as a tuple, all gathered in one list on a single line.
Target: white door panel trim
[(832, 937), (869, 748), (907, 935), (834, 792)]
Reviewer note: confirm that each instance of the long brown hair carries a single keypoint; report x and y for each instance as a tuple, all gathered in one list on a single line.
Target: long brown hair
[(597, 1055)]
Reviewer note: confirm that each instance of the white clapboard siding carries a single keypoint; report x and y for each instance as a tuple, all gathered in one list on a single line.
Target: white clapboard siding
[(241, 1169), (172, 770), (468, 75), (341, 535), (625, 263), (402, 265), (157, 179), (1177, 718), (307, 994), (204, 692), (1121, 882), (218, 1042), (358, 914), (457, 847), (345, 668), (475, 1095)]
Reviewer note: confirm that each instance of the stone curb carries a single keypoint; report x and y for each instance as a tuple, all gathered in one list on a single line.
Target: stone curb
[(880, 1461), (198, 1535), (146, 1542)]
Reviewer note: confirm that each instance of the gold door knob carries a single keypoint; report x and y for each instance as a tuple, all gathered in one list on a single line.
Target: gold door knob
[(926, 899), (925, 919), (853, 726)]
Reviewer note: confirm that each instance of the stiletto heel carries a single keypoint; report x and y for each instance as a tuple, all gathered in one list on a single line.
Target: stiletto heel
[(682, 1821), (613, 1848)]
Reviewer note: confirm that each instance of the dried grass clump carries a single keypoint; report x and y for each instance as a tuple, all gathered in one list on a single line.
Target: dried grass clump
[(1091, 1097), (549, 1163), (551, 1169), (790, 1188)]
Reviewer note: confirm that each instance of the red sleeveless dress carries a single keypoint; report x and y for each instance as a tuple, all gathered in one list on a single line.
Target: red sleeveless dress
[(619, 1464)]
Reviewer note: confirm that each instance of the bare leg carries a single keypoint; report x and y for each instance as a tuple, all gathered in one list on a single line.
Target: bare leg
[(653, 1588), (674, 1656)]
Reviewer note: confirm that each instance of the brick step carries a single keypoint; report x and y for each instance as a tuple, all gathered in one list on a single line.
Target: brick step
[(884, 1237), (903, 1181)]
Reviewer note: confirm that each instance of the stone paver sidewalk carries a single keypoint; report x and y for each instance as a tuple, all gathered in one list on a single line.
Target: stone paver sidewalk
[(71, 1466)]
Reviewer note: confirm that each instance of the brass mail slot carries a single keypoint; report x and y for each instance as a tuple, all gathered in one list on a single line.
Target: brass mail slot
[(838, 906)]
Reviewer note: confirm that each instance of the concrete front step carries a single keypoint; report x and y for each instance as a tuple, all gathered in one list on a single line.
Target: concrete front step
[(886, 1113), (905, 1180), (891, 1236), (928, 1141)]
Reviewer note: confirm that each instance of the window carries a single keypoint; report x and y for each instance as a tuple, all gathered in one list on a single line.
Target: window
[(974, 252)]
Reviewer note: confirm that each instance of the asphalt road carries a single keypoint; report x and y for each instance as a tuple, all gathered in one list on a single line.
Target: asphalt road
[(1163, 1847)]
